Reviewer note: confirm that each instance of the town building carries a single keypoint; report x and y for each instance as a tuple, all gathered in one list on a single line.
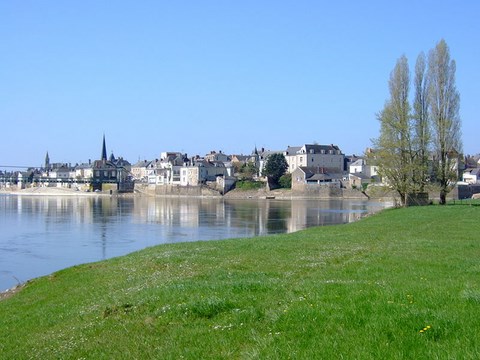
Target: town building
[(329, 158), (110, 175)]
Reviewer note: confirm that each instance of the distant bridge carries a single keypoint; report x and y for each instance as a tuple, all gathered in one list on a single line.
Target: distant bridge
[(19, 167)]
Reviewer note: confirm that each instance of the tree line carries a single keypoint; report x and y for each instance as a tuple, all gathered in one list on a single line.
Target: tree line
[(420, 137)]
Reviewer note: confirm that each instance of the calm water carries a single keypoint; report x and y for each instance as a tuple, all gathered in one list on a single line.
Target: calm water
[(40, 235)]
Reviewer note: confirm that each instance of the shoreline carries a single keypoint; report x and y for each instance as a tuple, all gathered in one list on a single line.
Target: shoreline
[(5, 294), (281, 195), (47, 191), (308, 285), (262, 194)]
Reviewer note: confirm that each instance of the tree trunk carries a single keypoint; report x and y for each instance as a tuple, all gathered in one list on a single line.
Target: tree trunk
[(443, 197)]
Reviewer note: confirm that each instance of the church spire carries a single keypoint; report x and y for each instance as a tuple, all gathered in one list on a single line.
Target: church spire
[(47, 162), (104, 150)]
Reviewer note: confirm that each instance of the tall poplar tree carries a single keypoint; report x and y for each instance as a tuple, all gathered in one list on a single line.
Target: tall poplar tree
[(444, 105), (393, 149), (421, 123)]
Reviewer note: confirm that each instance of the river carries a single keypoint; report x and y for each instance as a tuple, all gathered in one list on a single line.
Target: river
[(43, 234)]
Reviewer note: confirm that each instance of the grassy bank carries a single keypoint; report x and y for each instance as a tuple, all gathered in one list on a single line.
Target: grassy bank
[(401, 284)]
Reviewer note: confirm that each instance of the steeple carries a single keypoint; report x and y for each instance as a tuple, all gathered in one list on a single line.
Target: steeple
[(47, 162), (104, 150)]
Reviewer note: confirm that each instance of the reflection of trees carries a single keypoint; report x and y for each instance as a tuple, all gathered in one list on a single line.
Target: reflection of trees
[(307, 213), (245, 214), (277, 217)]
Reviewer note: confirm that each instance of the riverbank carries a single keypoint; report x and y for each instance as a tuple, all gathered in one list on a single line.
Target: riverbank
[(287, 194), (400, 284), (262, 193), (280, 194), (51, 191)]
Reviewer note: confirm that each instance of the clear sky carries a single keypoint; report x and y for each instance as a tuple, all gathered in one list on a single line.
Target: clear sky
[(195, 76)]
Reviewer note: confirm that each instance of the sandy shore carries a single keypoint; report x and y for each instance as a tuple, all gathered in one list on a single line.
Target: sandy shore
[(52, 191)]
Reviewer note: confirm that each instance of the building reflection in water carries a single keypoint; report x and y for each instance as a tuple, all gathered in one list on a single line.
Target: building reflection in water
[(41, 234), (255, 217)]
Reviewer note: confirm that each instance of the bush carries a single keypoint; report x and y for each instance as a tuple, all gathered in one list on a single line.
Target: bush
[(285, 181), (249, 185)]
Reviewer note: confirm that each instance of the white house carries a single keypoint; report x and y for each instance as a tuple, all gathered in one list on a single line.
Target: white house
[(471, 176), (329, 158), (361, 166), (191, 173)]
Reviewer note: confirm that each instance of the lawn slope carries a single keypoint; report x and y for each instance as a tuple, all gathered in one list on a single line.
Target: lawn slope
[(401, 284)]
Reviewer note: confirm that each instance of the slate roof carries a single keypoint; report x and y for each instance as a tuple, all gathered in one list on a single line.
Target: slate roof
[(311, 149)]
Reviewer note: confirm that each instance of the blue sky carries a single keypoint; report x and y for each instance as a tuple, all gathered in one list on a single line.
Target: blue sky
[(195, 76)]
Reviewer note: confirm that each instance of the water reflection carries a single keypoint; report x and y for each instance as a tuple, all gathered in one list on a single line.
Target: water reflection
[(40, 235)]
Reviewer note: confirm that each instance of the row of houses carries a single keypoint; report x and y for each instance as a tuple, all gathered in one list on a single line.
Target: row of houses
[(175, 168), (100, 175), (309, 165)]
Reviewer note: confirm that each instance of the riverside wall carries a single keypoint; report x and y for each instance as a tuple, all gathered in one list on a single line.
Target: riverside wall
[(176, 190), (203, 191)]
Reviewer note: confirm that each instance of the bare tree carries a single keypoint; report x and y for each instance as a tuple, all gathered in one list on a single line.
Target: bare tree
[(444, 105)]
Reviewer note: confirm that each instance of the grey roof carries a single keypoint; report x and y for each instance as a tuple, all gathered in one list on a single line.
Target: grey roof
[(83, 166), (360, 176), (312, 171), (291, 150), (206, 163), (267, 153), (472, 171), (242, 157), (359, 162), (311, 148), (320, 177), (318, 148), (141, 163)]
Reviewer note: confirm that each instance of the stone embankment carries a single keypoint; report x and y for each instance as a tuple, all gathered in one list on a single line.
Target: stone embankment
[(199, 191), (287, 194), (176, 191), (204, 191)]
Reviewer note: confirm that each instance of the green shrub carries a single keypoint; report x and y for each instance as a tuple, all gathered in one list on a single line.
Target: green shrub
[(249, 185), (285, 181)]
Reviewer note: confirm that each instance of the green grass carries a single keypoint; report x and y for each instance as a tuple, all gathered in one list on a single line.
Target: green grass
[(403, 284)]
